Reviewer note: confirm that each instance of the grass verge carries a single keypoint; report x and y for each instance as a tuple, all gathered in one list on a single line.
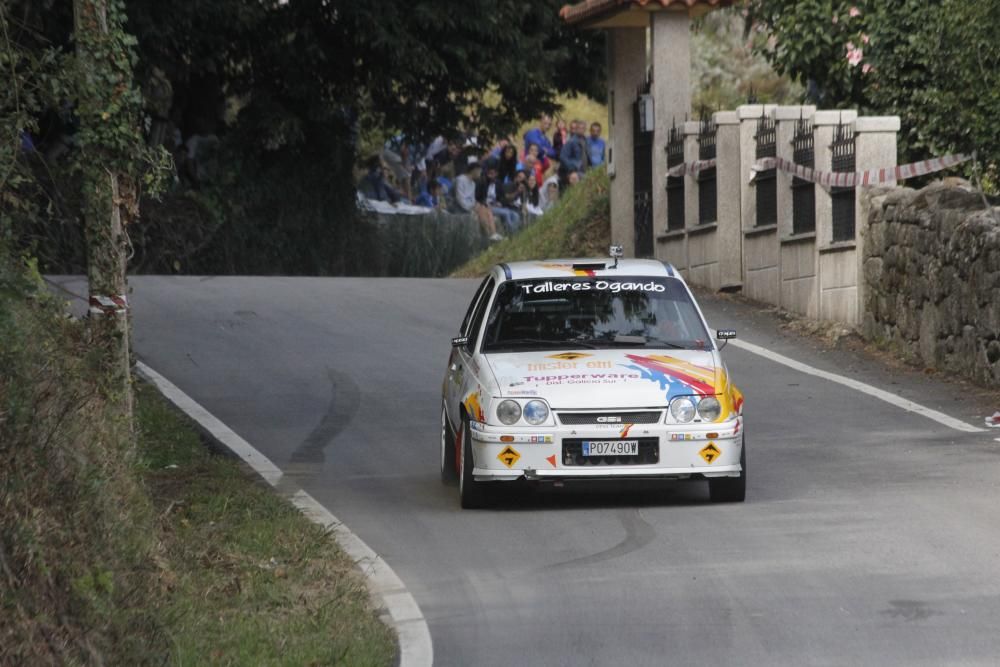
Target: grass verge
[(579, 225), (247, 579), (122, 549)]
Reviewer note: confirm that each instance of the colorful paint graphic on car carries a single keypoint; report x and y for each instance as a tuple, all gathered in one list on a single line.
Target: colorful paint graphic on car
[(474, 407), (569, 269), (675, 376)]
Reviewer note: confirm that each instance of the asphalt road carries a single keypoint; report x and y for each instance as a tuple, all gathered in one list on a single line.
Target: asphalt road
[(870, 535)]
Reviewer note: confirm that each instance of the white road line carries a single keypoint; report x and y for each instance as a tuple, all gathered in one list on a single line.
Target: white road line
[(875, 392), (415, 646)]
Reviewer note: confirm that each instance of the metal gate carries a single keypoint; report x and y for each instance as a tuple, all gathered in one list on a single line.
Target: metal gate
[(766, 181), (843, 198), (675, 184), (707, 185), (642, 169), (803, 192)]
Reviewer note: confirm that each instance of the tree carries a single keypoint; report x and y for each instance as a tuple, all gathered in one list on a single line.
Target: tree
[(934, 63), (111, 150), (283, 89)]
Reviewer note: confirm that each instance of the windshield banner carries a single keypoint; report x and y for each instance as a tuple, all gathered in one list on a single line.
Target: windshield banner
[(551, 286)]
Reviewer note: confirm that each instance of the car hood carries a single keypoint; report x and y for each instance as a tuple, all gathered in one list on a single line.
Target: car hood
[(608, 378)]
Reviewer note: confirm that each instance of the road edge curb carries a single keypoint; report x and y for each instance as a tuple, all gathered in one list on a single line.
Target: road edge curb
[(416, 648)]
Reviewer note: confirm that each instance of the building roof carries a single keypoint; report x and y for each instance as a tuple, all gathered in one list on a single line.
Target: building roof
[(612, 13)]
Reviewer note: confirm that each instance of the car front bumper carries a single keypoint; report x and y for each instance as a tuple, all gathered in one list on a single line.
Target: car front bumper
[(541, 453)]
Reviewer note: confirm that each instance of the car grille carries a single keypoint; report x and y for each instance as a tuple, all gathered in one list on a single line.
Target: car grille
[(582, 418), (572, 454)]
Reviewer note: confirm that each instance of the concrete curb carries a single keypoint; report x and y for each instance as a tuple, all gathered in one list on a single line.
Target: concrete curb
[(415, 646)]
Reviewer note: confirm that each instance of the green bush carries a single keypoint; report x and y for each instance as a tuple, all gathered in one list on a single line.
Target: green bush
[(72, 544)]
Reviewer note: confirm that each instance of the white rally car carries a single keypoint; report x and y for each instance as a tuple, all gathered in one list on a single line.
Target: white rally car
[(589, 369)]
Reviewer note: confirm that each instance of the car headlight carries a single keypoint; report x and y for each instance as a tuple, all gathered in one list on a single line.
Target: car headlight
[(536, 412), (709, 408), (508, 412), (682, 409)]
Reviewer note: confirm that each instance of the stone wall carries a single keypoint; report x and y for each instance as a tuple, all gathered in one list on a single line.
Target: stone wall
[(931, 269)]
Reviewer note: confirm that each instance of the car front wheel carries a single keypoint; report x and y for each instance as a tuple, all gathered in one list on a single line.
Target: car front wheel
[(730, 489), (473, 493)]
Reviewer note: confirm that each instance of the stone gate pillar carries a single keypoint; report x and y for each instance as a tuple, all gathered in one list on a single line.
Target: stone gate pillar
[(799, 292), (729, 236), (875, 147), (627, 71), (671, 61), (836, 267)]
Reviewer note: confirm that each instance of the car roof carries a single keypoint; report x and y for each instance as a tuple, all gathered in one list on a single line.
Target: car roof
[(593, 266)]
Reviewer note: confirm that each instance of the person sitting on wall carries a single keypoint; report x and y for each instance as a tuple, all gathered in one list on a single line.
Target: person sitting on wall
[(466, 200), (374, 184), (431, 197), (489, 193)]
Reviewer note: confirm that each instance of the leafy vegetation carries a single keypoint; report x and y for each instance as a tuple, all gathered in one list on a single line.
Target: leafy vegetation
[(579, 225), (727, 70), (935, 63), (160, 553), (275, 96)]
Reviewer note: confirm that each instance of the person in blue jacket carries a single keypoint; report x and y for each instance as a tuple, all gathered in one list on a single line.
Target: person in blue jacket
[(573, 156), (595, 145), (538, 136)]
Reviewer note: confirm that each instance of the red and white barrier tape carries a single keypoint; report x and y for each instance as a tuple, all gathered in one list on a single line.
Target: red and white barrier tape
[(691, 167), (108, 305), (841, 179)]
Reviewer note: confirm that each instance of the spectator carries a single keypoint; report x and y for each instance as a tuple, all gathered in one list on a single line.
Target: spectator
[(559, 137), (437, 149), (508, 164), (530, 201), (595, 145), (431, 197), (374, 185), (538, 137), (466, 191), (396, 154), (534, 168), (465, 186), (548, 194), (573, 157), (499, 148), (539, 156), (490, 193)]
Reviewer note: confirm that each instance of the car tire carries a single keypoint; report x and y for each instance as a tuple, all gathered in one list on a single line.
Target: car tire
[(472, 493), (449, 469), (730, 489)]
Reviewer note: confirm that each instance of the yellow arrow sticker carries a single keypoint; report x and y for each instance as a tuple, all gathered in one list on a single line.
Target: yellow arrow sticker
[(509, 456), (710, 453)]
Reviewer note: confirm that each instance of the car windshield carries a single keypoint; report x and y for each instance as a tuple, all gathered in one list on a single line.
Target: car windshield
[(591, 312)]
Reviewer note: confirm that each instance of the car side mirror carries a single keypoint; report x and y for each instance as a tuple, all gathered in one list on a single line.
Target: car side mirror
[(461, 341), (725, 335)]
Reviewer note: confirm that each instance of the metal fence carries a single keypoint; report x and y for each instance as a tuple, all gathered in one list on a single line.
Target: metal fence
[(843, 198), (675, 184), (707, 183), (766, 181), (803, 192)]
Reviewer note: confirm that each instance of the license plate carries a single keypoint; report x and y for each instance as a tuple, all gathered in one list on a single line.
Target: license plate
[(610, 447)]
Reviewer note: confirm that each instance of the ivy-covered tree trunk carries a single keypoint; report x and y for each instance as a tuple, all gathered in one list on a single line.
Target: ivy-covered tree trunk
[(108, 109)]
